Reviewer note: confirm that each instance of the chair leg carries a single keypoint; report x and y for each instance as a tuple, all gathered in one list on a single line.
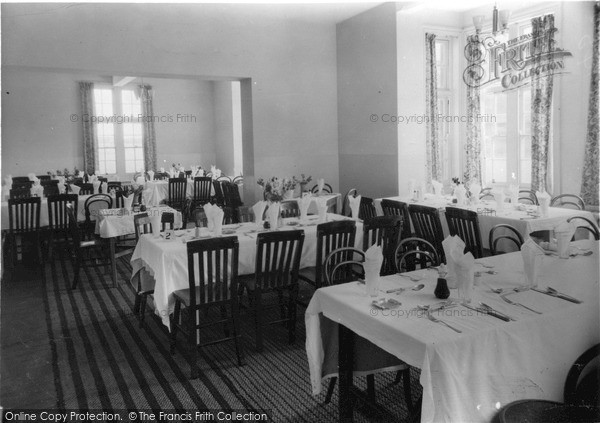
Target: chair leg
[(371, 387), (258, 320), (142, 311), (235, 315), (136, 305), (195, 370), (174, 323), (224, 317), (330, 389), (407, 391), (292, 317), (76, 269)]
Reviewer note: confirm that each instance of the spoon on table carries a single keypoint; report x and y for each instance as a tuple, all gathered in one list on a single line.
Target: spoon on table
[(502, 290), (414, 278), (401, 290)]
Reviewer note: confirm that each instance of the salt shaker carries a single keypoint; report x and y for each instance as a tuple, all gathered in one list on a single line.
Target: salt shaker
[(441, 290)]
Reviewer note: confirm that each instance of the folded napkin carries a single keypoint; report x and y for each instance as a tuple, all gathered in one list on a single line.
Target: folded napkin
[(438, 188), (460, 192), (544, 200), (92, 178), (320, 185), (8, 181), (217, 217), (140, 180), (37, 190), (5, 192), (304, 204), (32, 176), (62, 187), (104, 187), (452, 244), (532, 255), (162, 170), (209, 210), (200, 172), (273, 214), (354, 205), (96, 184), (259, 211), (499, 196), (475, 189), (464, 268), (564, 233), (216, 173), (156, 221), (372, 266), (150, 175), (128, 201), (75, 189), (172, 173), (322, 209)]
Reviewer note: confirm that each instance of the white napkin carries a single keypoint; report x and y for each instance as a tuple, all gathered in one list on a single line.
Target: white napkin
[(217, 217), (128, 201), (273, 214), (372, 266), (463, 266), (452, 244), (162, 170), (209, 211), (499, 196), (104, 187), (75, 189), (304, 204), (155, 219), (96, 185), (200, 172), (354, 205), (259, 211), (62, 188), (150, 175), (564, 233), (216, 173), (437, 188), (460, 192), (32, 176), (532, 255), (37, 190), (140, 180), (544, 200), (172, 173), (475, 189), (92, 178), (8, 181), (320, 185), (322, 209)]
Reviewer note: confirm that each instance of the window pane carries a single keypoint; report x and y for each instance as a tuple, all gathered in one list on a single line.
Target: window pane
[(111, 167)]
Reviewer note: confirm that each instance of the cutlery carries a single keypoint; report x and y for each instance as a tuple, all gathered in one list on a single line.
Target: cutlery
[(436, 307), (414, 278), (554, 293), (506, 300), (401, 290), (489, 308), (501, 290), (436, 320), (488, 312), (383, 303)]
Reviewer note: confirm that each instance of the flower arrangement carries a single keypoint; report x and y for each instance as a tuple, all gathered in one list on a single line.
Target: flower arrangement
[(304, 179), (456, 181), (69, 177), (275, 188)]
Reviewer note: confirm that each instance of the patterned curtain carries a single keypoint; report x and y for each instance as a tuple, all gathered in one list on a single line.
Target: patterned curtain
[(86, 91), (541, 101), (432, 142), (589, 184), (472, 173), (148, 135)]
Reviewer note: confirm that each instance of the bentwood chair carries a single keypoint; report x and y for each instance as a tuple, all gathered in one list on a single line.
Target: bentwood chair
[(344, 265), (527, 196), (212, 282), (513, 236), (326, 188), (224, 178), (366, 209), (330, 236), (569, 201), (24, 227), (486, 194), (144, 282), (384, 231), (58, 218), (177, 193), (428, 226), (219, 196), (289, 209), (277, 263), (398, 208), (591, 226), (465, 224), (413, 253), (202, 191), (92, 207), (90, 253)]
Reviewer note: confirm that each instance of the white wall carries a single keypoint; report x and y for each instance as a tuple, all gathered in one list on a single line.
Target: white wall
[(223, 127)]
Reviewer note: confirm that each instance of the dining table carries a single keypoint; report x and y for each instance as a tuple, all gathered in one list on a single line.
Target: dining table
[(524, 218), (468, 376), (166, 260)]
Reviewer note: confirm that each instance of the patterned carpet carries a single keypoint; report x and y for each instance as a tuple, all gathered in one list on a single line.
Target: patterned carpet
[(102, 360)]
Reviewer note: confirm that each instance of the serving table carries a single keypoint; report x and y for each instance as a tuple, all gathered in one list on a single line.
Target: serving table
[(166, 260), (468, 376)]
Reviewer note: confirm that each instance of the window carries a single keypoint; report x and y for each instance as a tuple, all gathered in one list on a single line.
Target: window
[(120, 148), (506, 140), (444, 67)]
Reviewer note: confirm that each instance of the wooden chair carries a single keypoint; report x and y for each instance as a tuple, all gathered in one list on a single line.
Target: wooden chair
[(209, 285), (514, 236), (326, 188), (231, 195), (486, 194), (366, 209), (202, 191), (413, 253), (465, 224), (428, 226), (289, 209), (238, 180), (224, 178), (330, 236), (384, 231), (568, 201), (177, 193), (167, 218), (90, 253), (591, 226), (344, 265), (144, 283), (50, 187), (85, 189), (114, 185), (398, 208), (219, 196), (44, 178), (200, 218), (346, 211), (277, 263), (245, 214), (92, 207), (20, 193), (527, 196), (23, 227), (58, 218)]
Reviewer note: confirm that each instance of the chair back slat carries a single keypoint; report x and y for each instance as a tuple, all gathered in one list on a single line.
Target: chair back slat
[(57, 210), (398, 208), (465, 224), (177, 193), (289, 209), (428, 226), (24, 214), (142, 224), (413, 252), (219, 196), (278, 259), (384, 231), (202, 190), (366, 208)]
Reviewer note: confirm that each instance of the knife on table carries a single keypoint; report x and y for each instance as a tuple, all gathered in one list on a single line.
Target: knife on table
[(492, 313), (558, 295)]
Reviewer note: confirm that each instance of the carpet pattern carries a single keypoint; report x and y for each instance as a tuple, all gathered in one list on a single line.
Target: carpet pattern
[(102, 360)]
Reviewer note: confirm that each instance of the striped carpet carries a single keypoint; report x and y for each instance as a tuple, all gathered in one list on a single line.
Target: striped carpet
[(102, 360)]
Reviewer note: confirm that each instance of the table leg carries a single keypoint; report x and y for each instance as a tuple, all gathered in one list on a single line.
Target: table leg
[(113, 262), (345, 363)]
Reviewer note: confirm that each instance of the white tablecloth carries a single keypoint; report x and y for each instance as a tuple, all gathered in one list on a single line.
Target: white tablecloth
[(467, 377), (43, 212), (119, 222), (157, 191), (519, 219), (166, 261)]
